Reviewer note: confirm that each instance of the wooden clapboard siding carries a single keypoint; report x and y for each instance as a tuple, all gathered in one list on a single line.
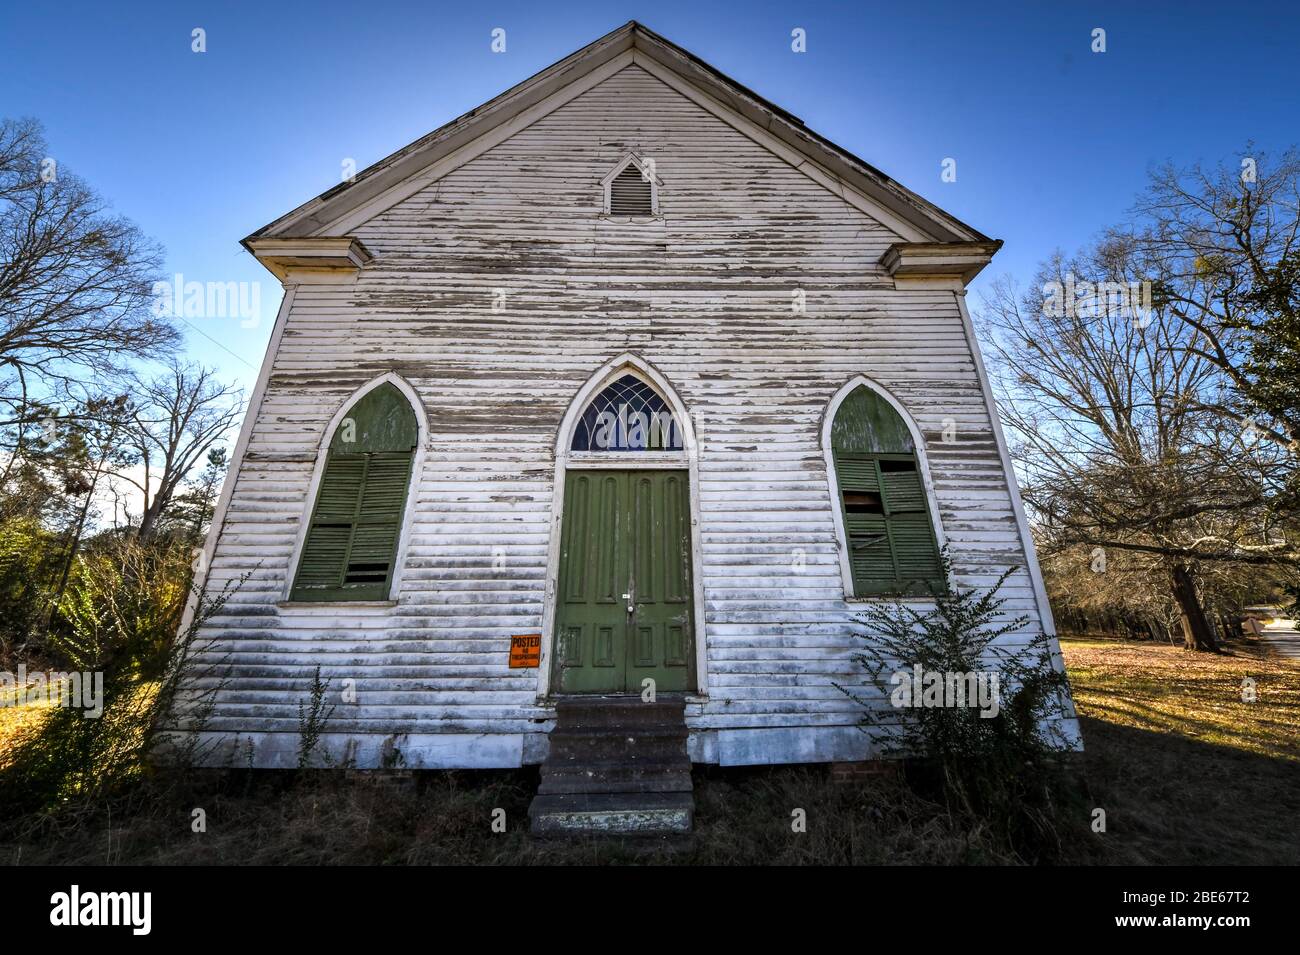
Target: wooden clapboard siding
[(704, 295)]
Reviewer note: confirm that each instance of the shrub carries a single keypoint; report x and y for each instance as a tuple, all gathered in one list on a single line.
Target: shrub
[(122, 606), (997, 760), (312, 718), (30, 556), (119, 618)]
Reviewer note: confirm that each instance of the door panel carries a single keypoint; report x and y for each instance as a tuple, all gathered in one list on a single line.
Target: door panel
[(661, 550), (595, 564), (625, 543)]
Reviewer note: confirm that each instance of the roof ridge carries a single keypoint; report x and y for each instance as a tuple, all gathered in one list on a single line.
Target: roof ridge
[(329, 206)]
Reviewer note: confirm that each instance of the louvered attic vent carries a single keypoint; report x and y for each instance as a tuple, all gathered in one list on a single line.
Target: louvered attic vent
[(629, 193)]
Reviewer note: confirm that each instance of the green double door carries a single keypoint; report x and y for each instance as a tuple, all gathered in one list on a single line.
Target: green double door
[(623, 602)]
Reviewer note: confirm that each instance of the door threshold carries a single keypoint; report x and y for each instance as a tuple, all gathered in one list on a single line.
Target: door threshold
[(675, 697)]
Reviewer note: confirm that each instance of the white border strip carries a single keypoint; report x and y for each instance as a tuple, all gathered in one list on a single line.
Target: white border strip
[(1013, 487)]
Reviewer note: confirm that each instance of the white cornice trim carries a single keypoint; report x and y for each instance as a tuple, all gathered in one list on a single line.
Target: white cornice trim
[(337, 254), (937, 264)]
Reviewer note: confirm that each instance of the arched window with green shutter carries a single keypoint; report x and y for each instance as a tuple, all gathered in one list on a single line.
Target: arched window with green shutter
[(891, 541), (351, 545)]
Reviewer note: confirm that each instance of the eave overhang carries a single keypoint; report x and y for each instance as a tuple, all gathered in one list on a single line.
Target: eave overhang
[(938, 261), (340, 255)]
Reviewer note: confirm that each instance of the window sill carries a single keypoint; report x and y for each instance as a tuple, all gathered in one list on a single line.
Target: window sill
[(691, 696), (893, 598), (359, 604)]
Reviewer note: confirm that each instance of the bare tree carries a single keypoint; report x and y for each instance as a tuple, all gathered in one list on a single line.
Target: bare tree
[(1122, 433), (193, 508), (178, 416), (1222, 246), (97, 431), (76, 283)]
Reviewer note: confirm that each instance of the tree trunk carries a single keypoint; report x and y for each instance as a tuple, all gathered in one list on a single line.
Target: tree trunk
[(147, 518), (1197, 633), (1159, 632)]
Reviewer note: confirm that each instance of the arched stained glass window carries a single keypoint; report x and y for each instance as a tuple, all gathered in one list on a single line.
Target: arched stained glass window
[(627, 415), (891, 541), (351, 545)]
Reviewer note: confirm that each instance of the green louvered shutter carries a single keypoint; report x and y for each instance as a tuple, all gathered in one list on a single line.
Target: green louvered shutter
[(351, 547), (379, 521), (891, 542), (916, 552), (352, 543), (870, 553), (329, 538)]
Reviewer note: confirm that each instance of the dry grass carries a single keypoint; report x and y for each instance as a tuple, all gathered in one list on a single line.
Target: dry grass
[(743, 818), (1166, 689), (19, 719), (1186, 772)]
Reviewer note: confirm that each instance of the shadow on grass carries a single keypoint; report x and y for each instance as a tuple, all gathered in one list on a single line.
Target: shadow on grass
[(1186, 771), (1171, 800)]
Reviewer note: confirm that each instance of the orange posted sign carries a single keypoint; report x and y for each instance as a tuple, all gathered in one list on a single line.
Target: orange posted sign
[(525, 650)]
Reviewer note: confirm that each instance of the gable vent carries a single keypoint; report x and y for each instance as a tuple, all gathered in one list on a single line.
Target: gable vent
[(629, 193)]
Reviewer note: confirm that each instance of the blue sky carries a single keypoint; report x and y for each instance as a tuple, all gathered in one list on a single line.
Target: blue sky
[(1052, 141)]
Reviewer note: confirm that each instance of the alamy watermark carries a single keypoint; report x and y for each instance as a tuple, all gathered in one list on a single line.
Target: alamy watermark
[(1075, 298), (934, 688), (84, 691), (130, 909), (635, 430), (182, 299)]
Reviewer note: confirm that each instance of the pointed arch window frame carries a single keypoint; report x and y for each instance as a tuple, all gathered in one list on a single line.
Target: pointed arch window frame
[(313, 489), (833, 483), (635, 396), (625, 459), (648, 171)]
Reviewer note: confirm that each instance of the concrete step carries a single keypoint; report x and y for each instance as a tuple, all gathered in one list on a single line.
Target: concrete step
[(617, 712), (610, 748), (614, 813), (615, 778), (616, 764)]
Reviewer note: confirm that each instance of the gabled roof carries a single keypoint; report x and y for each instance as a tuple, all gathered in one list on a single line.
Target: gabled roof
[(336, 210)]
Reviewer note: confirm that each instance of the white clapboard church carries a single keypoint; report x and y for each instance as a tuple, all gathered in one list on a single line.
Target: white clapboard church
[(625, 384)]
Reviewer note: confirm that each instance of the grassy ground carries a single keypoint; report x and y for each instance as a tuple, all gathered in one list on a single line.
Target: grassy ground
[(741, 819), (1185, 770), (17, 720), (1191, 696), (1188, 772)]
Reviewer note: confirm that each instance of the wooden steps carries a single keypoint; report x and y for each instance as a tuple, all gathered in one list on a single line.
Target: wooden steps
[(616, 765)]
